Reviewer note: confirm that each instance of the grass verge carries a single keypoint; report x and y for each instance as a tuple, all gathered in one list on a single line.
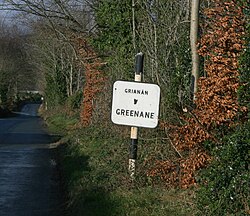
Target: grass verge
[(94, 169)]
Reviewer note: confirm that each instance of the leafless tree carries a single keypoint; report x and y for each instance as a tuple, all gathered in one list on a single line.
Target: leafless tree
[(68, 13), (15, 71)]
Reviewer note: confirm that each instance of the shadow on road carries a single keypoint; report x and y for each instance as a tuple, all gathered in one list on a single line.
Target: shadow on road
[(30, 181)]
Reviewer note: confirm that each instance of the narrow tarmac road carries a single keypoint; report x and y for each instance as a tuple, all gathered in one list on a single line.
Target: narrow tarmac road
[(29, 183)]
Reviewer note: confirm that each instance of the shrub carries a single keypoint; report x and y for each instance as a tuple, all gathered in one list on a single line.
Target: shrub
[(74, 101), (226, 183)]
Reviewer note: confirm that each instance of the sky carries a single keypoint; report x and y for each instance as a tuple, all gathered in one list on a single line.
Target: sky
[(11, 18), (8, 17)]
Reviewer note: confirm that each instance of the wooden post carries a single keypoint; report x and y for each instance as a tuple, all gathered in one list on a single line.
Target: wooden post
[(134, 130), (194, 25)]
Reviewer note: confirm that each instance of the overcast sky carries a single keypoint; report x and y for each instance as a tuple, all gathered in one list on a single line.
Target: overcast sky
[(11, 18), (7, 16)]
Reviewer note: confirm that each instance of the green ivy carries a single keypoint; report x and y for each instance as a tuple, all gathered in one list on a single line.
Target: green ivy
[(114, 37), (226, 183), (55, 90)]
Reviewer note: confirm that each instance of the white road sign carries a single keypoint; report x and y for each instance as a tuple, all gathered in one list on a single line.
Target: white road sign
[(135, 104)]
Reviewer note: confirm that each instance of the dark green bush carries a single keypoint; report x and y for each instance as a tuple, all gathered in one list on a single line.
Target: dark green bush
[(226, 183), (75, 100)]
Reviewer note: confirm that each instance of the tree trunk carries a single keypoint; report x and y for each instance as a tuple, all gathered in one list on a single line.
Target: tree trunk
[(133, 24), (71, 80), (193, 42)]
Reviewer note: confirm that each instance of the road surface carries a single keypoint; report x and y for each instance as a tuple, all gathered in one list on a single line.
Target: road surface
[(29, 183)]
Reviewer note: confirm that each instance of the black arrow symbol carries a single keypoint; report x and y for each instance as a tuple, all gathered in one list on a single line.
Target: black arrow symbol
[(135, 101)]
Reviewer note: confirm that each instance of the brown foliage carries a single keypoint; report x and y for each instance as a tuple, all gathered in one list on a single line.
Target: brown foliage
[(216, 100), (94, 78)]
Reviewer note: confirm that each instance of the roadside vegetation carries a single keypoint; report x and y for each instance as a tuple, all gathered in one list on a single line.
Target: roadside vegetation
[(196, 162), (94, 163)]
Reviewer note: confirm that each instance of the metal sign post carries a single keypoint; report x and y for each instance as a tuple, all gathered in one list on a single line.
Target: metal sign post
[(135, 104), (134, 130)]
